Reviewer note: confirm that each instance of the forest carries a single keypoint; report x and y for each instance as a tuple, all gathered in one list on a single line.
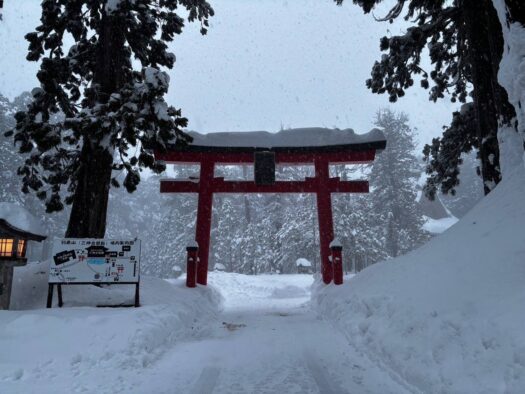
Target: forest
[(268, 233)]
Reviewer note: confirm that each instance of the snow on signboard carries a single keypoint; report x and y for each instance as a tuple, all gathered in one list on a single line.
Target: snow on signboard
[(95, 261)]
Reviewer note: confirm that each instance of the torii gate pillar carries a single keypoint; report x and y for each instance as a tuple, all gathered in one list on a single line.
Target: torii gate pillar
[(204, 212), (324, 213)]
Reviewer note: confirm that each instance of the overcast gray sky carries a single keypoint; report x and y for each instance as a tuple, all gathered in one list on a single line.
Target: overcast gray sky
[(264, 64)]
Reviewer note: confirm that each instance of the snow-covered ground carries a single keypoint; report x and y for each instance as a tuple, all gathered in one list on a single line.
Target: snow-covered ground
[(265, 340), (268, 341), (259, 292), (82, 348), (448, 317)]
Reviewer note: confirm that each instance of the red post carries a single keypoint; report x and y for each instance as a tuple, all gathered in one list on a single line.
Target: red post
[(191, 265), (337, 261), (203, 227), (324, 213)]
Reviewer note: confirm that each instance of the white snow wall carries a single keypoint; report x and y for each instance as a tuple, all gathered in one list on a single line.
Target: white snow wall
[(512, 77)]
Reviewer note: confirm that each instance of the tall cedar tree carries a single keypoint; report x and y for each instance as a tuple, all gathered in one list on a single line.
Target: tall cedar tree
[(465, 45), (111, 109), (393, 180)]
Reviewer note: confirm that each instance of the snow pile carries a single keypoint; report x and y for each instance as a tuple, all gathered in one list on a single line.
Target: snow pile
[(447, 317), (312, 136), (302, 262), (59, 350), (20, 218)]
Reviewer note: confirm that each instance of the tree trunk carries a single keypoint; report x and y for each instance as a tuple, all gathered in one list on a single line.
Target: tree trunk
[(88, 213), (90, 200), (490, 99)]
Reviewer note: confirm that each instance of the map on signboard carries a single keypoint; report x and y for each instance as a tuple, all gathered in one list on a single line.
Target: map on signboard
[(95, 261)]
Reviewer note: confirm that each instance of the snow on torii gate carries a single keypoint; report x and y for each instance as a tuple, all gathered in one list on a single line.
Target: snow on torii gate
[(318, 146)]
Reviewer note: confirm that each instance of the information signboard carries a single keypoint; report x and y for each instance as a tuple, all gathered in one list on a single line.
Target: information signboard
[(95, 261)]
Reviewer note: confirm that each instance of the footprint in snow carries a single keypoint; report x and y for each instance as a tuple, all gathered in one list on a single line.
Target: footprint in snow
[(232, 326), (16, 375)]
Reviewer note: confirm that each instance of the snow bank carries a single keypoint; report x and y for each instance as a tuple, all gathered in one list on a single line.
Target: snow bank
[(448, 317), (78, 345), (21, 219), (312, 136)]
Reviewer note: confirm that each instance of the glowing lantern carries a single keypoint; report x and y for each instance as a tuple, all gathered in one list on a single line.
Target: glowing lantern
[(12, 248), (17, 227)]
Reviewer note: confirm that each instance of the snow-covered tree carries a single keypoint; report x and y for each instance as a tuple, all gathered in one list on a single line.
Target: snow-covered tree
[(357, 226), (9, 160), (168, 234), (270, 223), (464, 43), (109, 86), (228, 231), (298, 236), (469, 190), (393, 181), (263, 233)]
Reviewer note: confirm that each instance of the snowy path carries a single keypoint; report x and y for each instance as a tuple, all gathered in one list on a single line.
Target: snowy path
[(268, 341)]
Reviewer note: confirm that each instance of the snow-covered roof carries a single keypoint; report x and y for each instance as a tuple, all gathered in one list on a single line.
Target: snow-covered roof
[(301, 262), (19, 219), (301, 137)]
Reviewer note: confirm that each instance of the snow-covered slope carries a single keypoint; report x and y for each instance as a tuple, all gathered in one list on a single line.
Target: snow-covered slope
[(84, 348), (448, 317)]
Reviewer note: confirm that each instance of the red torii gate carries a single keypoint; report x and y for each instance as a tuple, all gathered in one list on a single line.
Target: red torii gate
[(320, 147)]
